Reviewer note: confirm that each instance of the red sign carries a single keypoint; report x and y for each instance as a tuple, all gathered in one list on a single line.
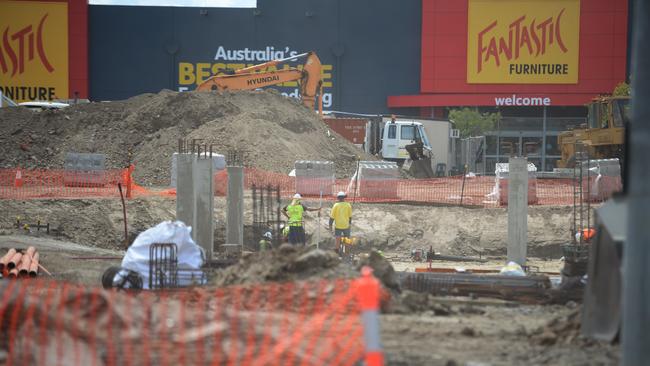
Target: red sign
[(443, 78)]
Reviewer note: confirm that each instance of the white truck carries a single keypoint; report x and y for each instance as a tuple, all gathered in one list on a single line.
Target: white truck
[(401, 141), (430, 141)]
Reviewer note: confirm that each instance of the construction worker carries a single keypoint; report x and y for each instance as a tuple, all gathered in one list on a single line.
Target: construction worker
[(265, 242), (341, 217), (294, 213)]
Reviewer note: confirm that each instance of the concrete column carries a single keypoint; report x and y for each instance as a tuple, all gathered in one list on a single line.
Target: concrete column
[(235, 210), (185, 202), (517, 209), (203, 229), (636, 251)]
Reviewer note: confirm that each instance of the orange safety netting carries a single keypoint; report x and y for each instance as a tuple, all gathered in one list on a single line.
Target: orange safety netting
[(20, 183), (473, 191), (298, 323)]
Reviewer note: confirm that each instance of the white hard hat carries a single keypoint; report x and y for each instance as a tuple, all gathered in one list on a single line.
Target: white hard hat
[(341, 194), (268, 235), (297, 196)]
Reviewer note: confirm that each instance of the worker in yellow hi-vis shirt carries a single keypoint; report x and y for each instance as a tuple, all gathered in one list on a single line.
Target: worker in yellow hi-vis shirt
[(341, 217)]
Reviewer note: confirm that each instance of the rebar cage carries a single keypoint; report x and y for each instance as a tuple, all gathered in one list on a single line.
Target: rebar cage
[(266, 214), (164, 272)]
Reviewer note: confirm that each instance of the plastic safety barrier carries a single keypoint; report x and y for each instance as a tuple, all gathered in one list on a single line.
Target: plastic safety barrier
[(20, 183), (476, 191), (452, 191), (298, 323)]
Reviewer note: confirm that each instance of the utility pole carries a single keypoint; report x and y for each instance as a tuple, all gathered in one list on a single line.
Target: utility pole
[(636, 252)]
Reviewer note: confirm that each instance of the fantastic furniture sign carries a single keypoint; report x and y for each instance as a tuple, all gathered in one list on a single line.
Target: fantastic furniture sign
[(34, 50), (523, 42)]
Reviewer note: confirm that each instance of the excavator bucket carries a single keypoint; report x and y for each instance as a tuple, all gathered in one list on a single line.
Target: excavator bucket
[(421, 168), (601, 315), (420, 161)]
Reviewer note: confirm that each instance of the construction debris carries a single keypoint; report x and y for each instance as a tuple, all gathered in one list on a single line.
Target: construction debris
[(27, 226), (560, 330), (529, 289)]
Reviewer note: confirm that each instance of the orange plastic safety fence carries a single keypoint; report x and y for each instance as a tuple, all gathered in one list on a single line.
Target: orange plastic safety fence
[(303, 323), (473, 191), (20, 183)]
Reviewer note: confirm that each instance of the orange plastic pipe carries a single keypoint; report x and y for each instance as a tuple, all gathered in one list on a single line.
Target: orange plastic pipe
[(30, 252), (23, 267), (15, 260), (33, 266), (6, 258)]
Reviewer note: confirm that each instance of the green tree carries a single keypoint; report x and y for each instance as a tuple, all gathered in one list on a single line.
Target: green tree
[(471, 122), (622, 89)]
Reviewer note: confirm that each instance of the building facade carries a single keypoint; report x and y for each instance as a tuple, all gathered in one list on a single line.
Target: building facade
[(536, 62)]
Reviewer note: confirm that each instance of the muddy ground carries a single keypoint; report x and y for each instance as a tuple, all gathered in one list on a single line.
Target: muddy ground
[(466, 332), (443, 331), (489, 335), (393, 228)]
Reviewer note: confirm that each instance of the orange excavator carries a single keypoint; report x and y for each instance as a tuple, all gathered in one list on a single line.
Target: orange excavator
[(254, 77)]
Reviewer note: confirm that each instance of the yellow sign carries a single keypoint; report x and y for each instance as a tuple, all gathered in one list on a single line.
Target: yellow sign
[(34, 50), (523, 41)]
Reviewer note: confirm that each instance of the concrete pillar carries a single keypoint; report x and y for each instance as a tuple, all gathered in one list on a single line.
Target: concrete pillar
[(185, 202), (203, 228), (235, 209), (636, 251), (517, 209)]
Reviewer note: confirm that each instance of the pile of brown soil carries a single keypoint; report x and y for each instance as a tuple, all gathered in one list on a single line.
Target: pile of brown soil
[(291, 263), (287, 263), (271, 131)]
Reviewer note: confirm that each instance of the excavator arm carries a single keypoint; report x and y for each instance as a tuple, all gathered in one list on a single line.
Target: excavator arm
[(253, 77)]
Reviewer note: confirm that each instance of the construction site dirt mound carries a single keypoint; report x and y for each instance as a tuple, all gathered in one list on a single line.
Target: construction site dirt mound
[(272, 131), (287, 263), (292, 263)]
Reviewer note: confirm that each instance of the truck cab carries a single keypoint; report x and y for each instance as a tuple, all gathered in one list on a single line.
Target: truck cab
[(397, 134)]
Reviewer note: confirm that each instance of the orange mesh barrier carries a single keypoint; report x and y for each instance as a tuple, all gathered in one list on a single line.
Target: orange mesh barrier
[(300, 323), (474, 191), (25, 184), (477, 191)]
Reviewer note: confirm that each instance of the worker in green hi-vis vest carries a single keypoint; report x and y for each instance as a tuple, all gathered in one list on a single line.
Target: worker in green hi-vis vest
[(294, 213)]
